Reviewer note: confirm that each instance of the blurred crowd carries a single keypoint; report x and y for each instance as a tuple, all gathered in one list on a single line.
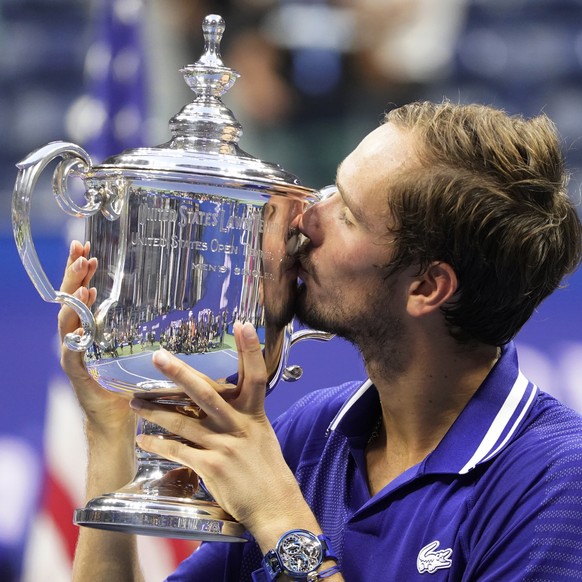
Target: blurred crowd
[(316, 75)]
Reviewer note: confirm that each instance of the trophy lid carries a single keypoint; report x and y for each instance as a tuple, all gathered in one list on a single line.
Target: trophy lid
[(205, 135)]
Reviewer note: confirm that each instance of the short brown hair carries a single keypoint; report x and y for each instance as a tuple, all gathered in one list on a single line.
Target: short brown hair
[(492, 202)]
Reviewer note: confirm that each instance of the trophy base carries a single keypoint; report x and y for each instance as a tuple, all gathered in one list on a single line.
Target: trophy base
[(144, 515)]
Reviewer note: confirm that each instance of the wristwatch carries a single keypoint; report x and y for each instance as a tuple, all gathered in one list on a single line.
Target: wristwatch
[(298, 554)]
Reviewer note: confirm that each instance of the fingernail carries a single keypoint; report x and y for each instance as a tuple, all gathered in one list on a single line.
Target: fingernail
[(135, 404), (80, 293), (248, 330), (161, 358), (78, 265), (72, 247)]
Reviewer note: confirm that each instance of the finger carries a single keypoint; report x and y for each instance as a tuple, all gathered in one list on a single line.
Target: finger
[(76, 250), (78, 268), (225, 389), (92, 263), (209, 462), (68, 319), (68, 315), (170, 449), (72, 362), (236, 331), (92, 296), (91, 268), (199, 387), (175, 421), (250, 353), (78, 273)]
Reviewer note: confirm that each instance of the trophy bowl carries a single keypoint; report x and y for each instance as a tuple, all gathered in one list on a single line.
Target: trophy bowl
[(191, 236)]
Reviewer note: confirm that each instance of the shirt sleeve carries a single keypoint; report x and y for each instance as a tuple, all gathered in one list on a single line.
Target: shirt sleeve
[(210, 561), (220, 562), (526, 522)]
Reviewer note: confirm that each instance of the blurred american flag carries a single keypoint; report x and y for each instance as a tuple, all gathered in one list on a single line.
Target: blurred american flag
[(108, 119)]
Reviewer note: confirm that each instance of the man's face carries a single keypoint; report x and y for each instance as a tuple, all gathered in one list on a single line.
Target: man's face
[(345, 289)]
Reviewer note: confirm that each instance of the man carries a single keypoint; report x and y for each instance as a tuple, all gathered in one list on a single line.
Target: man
[(448, 226)]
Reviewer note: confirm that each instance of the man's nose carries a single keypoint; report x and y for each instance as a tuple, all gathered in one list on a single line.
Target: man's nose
[(309, 223)]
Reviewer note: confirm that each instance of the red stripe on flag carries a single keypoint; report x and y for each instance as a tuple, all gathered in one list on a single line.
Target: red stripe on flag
[(181, 549), (60, 507)]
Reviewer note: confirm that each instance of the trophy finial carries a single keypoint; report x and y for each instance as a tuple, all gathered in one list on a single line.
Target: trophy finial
[(213, 29), (206, 124), (208, 75)]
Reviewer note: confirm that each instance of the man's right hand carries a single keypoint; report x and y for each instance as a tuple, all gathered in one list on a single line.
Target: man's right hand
[(110, 428), (104, 410)]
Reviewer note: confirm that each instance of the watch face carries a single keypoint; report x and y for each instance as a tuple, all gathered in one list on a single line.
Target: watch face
[(300, 552)]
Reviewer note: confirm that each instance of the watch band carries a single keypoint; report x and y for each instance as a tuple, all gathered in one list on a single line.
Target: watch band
[(298, 554)]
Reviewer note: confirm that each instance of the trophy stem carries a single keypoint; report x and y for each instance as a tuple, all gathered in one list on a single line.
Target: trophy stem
[(164, 499)]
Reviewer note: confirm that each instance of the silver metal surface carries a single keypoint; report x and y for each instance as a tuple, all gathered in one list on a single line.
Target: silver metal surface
[(163, 499), (143, 516), (74, 159), (191, 236)]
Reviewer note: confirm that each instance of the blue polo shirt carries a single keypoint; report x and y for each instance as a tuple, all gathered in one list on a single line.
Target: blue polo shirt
[(499, 499)]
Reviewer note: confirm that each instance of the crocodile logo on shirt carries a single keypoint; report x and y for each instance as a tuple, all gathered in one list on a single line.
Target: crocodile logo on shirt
[(430, 559)]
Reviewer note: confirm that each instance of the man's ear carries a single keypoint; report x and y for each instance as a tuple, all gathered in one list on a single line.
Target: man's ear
[(429, 291)]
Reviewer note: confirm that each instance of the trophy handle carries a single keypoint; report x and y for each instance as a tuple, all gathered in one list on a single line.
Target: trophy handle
[(76, 161), (293, 372)]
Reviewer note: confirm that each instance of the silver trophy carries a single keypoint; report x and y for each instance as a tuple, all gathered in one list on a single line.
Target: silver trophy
[(191, 236)]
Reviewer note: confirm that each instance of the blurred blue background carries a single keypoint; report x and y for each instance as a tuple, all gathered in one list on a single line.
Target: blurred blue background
[(315, 78)]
